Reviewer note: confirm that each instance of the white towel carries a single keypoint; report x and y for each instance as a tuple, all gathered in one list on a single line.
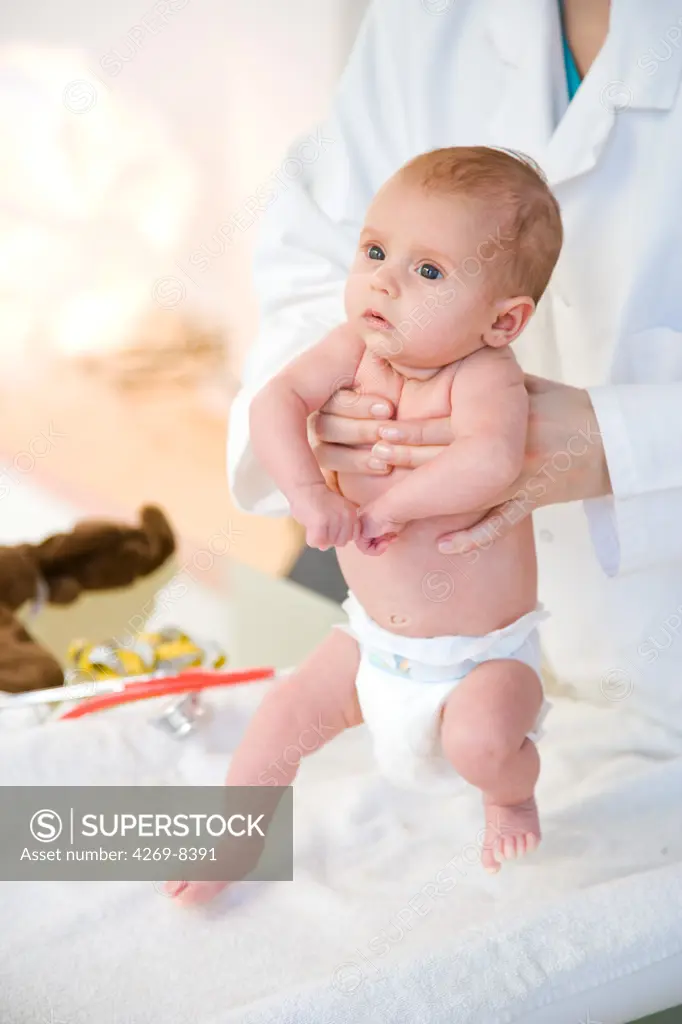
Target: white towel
[(358, 937)]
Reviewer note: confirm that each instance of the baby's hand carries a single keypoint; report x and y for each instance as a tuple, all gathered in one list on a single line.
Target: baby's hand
[(377, 531), (330, 520)]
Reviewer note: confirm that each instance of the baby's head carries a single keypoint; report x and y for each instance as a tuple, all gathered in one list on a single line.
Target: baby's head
[(457, 249)]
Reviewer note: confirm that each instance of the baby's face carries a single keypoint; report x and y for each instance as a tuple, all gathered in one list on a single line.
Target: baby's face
[(417, 288)]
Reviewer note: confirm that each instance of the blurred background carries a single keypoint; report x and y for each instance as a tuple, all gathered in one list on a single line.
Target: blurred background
[(133, 136)]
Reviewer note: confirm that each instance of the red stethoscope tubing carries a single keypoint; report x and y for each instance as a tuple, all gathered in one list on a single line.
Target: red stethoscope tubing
[(184, 683)]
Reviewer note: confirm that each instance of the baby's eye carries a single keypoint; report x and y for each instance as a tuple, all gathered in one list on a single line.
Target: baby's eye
[(430, 272), (375, 252)]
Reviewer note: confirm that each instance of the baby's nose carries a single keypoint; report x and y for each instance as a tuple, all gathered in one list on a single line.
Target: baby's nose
[(384, 280)]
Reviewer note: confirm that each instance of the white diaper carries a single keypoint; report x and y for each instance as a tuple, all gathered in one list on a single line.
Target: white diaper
[(403, 682)]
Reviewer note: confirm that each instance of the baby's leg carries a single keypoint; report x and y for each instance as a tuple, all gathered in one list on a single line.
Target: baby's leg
[(296, 718), (484, 725)]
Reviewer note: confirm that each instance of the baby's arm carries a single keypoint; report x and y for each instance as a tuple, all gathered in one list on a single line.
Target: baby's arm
[(279, 434), (490, 421)]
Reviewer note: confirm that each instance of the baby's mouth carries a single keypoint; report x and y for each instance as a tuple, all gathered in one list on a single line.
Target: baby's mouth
[(376, 320)]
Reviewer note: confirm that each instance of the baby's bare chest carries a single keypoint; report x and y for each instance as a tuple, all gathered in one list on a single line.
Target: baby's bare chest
[(412, 399)]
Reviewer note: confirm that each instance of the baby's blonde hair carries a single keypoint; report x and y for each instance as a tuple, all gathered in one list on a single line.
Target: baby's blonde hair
[(512, 189)]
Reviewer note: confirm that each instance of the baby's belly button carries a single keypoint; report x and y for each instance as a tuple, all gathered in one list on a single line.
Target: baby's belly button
[(397, 619)]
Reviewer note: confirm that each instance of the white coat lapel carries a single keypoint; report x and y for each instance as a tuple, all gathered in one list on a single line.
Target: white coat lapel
[(532, 114), (638, 68), (525, 34), (618, 83)]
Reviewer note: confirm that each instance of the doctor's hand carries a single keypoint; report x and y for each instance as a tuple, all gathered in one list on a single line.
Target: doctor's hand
[(564, 461), (357, 433), (564, 458)]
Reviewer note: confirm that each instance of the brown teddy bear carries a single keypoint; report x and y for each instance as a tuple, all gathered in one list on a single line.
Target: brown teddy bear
[(95, 555)]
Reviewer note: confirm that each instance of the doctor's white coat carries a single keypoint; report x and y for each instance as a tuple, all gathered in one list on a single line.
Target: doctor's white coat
[(431, 73)]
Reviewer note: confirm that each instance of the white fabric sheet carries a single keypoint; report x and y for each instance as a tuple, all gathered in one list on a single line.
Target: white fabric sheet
[(586, 928)]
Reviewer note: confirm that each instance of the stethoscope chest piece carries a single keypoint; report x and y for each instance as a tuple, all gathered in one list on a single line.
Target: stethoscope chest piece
[(182, 716)]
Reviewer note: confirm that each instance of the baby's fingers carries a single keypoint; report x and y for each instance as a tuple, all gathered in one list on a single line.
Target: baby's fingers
[(349, 524), (317, 536), (375, 545)]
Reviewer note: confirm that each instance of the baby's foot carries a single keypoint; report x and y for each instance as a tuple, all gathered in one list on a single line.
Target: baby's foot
[(510, 832), (190, 893), (241, 854)]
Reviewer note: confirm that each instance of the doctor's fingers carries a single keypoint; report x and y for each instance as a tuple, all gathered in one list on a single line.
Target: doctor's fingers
[(417, 432), (340, 430), (406, 456), (496, 524), (338, 458), (358, 406)]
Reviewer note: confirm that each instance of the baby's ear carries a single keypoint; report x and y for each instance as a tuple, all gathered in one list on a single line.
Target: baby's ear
[(511, 317)]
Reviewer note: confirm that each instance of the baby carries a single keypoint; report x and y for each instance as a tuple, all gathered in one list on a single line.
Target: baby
[(440, 657)]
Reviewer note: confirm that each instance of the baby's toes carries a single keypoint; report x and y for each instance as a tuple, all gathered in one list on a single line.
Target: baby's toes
[(191, 893), (174, 888), (509, 848), (489, 861), (498, 850), (532, 841), (522, 844)]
